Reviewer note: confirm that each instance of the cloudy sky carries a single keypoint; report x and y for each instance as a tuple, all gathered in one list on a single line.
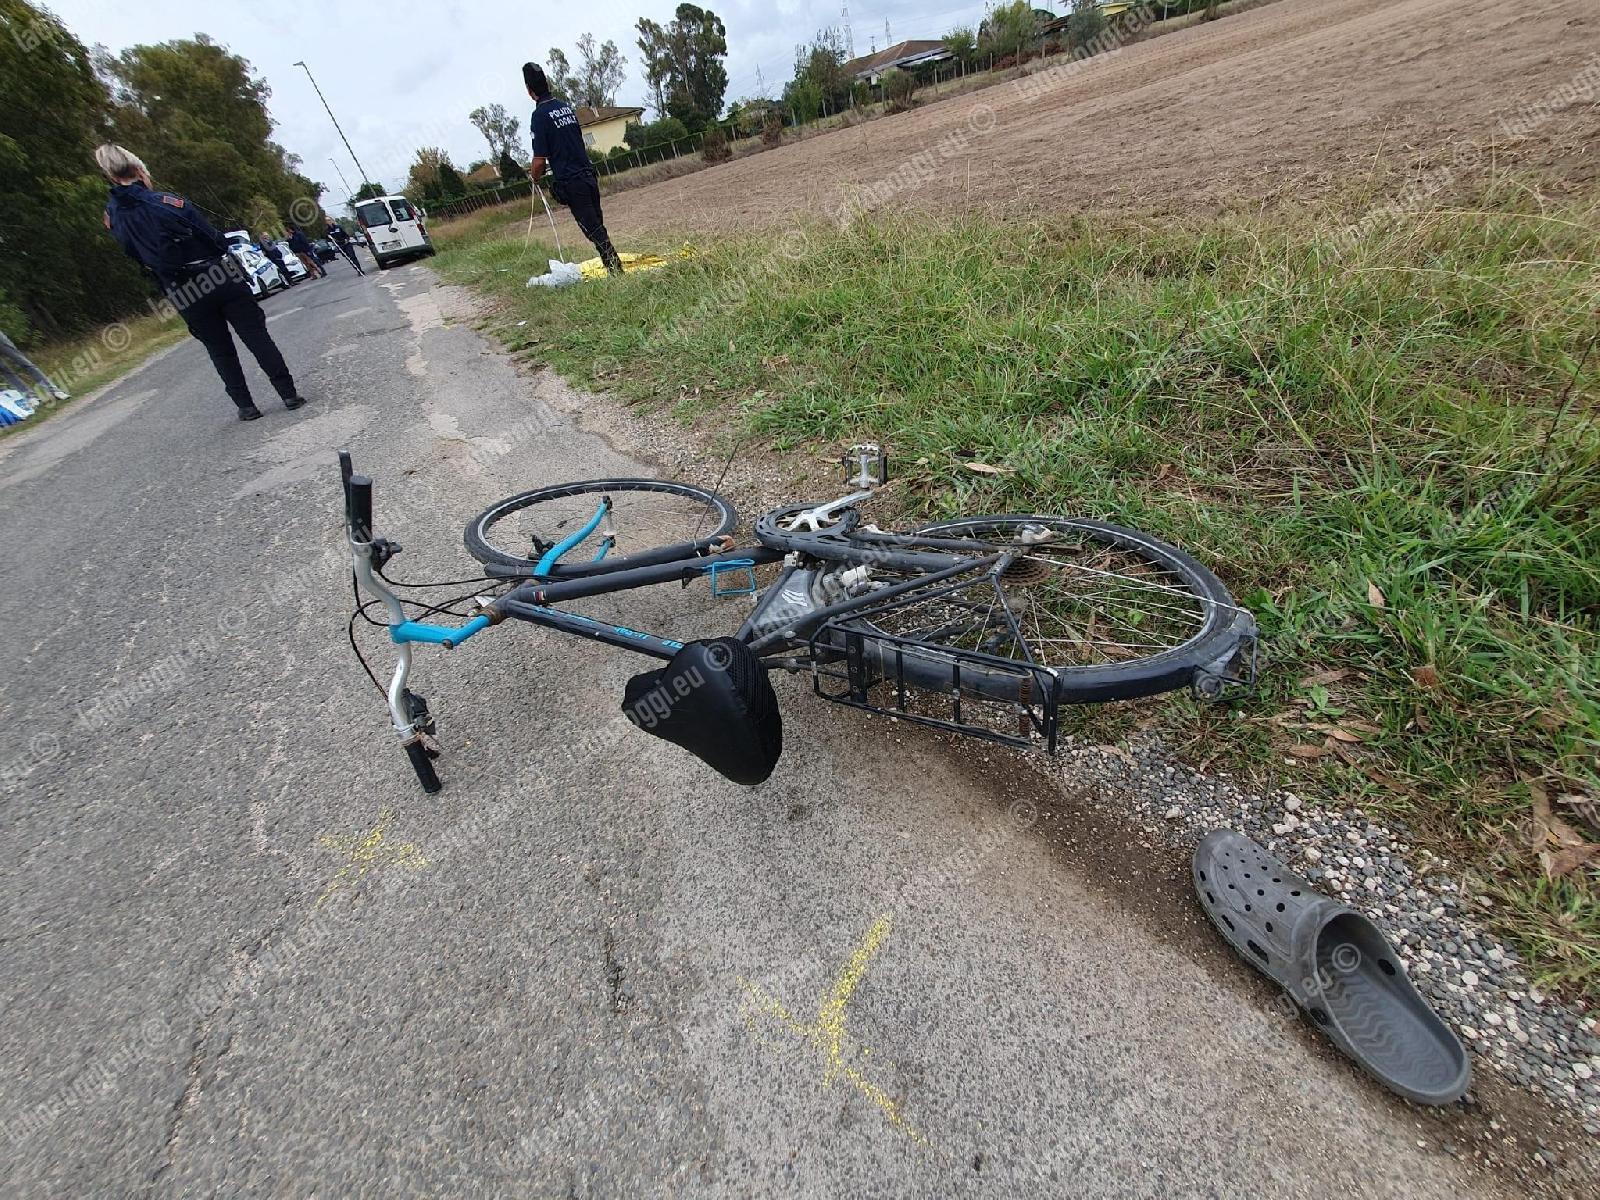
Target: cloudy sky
[(400, 75)]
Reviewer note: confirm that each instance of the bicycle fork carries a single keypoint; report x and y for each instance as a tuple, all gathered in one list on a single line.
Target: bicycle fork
[(407, 711)]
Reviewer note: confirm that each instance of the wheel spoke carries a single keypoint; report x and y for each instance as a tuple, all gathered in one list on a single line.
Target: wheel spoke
[(1081, 602)]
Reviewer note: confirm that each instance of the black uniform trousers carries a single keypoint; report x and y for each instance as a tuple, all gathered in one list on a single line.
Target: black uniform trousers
[(582, 197), (209, 316), (349, 251)]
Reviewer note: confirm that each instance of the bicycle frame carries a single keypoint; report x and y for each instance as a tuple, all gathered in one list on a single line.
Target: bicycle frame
[(837, 581)]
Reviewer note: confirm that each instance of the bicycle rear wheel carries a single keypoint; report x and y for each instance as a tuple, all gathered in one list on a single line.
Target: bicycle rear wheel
[(1108, 612), (648, 520)]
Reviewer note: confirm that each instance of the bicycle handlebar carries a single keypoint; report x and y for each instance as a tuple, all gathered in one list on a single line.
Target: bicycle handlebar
[(358, 507)]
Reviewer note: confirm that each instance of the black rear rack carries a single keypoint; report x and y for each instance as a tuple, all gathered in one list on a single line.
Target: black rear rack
[(868, 671)]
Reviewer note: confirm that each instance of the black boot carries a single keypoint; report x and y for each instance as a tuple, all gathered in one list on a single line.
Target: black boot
[(612, 260), (249, 412)]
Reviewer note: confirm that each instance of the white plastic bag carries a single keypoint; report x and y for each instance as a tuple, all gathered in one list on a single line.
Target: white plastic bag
[(14, 407), (559, 275)]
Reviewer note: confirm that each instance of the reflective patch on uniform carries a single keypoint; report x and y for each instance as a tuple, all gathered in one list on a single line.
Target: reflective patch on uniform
[(175, 201)]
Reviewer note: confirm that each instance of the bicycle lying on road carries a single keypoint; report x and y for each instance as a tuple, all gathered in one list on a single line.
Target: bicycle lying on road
[(983, 626)]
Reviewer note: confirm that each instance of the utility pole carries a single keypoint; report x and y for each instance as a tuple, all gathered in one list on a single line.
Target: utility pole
[(348, 190), (335, 120), (849, 36)]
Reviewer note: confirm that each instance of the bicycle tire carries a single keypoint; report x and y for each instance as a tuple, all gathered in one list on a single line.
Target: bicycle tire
[(937, 666), (721, 519)]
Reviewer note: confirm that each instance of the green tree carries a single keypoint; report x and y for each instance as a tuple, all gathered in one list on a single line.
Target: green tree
[(961, 44), (1086, 23), (684, 65), (14, 322), (1007, 29), (451, 185), (499, 128), (656, 50), (654, 140), (197, 115), (749, 117), (58, 265), (820, 84), (600, 72), (558, 73), (510, 169), (434, 177), (898, 88), (367, 191)]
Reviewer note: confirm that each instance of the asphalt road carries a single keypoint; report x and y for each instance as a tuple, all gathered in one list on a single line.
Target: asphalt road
[(242, 954)]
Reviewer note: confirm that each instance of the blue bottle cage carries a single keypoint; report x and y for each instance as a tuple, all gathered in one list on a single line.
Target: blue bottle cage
[(745, 585)]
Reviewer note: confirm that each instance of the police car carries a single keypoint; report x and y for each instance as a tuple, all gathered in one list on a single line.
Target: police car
[(259, 271), (291, 262), (394, 229)]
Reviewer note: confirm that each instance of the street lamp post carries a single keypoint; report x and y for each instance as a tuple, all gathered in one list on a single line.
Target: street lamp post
[(348, 190), (335, 120)]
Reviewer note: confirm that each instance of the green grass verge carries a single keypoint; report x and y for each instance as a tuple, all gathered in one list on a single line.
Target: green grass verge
[(1386, 445), (89, 361)]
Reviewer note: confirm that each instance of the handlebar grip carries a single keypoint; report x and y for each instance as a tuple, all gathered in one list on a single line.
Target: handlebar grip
[(359, 508), (423, 766)]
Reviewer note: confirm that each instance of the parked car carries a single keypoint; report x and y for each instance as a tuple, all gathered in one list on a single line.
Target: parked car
[(291, 262), (326, 250), (394, 229), (264, 278)]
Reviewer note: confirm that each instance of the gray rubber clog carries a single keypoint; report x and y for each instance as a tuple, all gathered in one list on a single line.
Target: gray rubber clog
[(1334, 963)]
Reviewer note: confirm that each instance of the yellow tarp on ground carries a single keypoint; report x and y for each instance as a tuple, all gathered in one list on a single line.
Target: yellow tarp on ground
[(593, 268)]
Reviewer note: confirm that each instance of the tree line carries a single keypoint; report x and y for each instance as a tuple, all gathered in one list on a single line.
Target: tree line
[(195, 113)]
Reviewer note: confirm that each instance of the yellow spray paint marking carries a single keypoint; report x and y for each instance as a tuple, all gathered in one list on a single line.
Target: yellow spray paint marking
[(827, 1032), (368, 852)]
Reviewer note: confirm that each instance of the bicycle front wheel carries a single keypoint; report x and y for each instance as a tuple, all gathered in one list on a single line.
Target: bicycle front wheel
[(644, 520)]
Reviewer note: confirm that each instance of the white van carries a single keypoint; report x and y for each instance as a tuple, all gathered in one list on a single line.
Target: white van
[(394, 228)]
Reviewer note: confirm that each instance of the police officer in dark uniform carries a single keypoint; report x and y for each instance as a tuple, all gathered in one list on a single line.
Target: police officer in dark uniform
[(269, 247), (341, 239), (191, 260), (558, 144)]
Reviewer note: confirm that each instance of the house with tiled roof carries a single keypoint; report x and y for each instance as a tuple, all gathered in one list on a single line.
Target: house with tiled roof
[(603, 127), (905, 55)]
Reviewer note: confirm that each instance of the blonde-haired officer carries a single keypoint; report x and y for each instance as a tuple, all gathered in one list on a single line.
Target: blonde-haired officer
[(168, 237)]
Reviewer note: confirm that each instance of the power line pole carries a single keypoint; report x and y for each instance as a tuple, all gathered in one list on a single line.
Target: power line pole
[(348, 190), (362, 170)]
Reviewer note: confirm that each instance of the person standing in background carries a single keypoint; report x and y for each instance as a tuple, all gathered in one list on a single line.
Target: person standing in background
[(307, 253), (269, 247), (558, 144), (11, 357), (192, 262), (342, 240)]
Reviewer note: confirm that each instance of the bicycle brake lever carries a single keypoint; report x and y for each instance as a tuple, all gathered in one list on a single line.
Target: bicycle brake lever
[(382, 551)]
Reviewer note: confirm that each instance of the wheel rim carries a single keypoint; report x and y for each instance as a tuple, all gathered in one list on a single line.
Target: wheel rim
[(643, 516), (1090, 598)]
